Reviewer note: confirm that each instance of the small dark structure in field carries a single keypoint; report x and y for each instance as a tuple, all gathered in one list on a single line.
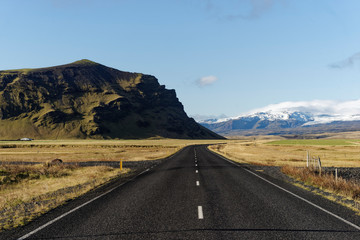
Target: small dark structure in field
[(56, 161)]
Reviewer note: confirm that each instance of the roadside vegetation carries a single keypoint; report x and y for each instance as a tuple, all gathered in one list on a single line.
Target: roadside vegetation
[(347, 189), (28, 191)]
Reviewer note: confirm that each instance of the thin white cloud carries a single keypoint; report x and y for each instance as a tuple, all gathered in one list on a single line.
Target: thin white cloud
[(349, 62), (71, 3), (243, 9), (206, 81), (315, 107), (258, 8)]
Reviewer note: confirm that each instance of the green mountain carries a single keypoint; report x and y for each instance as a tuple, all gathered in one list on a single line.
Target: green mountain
[(85, 99)]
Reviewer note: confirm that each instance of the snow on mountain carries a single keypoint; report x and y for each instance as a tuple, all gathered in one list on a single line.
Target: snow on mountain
[(282, 115), (207, 118), (308, 112)]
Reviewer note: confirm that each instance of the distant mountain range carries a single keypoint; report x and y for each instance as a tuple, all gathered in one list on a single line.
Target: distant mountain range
[(85, 99), (278, 121)]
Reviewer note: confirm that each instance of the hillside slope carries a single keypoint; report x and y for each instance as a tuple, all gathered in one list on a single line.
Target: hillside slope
[(85, 99)]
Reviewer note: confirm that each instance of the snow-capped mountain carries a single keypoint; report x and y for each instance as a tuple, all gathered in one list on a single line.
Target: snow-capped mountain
[(269, 115), (290, 115), (260, 120)]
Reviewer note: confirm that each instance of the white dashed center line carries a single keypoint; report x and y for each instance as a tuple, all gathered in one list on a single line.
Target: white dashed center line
[(197, 183), (196, 171), (200, 212)]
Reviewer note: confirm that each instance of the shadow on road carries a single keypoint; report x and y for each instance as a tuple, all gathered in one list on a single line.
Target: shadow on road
[(200, 231)]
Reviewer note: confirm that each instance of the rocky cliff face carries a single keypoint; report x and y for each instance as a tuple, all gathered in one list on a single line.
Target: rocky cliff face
[(89, 100)]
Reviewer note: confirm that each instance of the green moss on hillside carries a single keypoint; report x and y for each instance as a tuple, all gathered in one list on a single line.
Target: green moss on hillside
[(85, 99)]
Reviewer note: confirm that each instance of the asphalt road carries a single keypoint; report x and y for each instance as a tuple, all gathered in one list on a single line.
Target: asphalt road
[(198, 195)]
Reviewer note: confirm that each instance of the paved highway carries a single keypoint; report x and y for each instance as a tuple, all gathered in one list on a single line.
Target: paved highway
[(199, 195)]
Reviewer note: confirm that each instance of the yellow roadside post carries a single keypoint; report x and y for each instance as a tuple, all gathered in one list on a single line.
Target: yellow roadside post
[(121, 165)]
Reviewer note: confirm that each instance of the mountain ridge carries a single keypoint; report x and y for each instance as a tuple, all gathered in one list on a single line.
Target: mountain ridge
[(85, 99), (282, 122)]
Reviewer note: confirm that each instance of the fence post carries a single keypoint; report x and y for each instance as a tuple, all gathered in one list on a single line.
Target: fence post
[(307, 159), (319, 162), (336, 175), (121, 165)]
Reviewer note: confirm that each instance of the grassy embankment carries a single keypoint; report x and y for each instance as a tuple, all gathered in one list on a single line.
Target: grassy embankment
[(291, 155), (28, 191)]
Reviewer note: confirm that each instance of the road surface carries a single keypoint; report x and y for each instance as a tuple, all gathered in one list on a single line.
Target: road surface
[(199, 195)]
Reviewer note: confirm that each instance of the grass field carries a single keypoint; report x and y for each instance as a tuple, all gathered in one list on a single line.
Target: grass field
[(332, 152), (93, 150), (316, 142)]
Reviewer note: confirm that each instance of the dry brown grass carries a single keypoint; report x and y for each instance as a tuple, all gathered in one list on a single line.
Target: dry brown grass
[(41, 188), (261, 153), (346, 188), (93, 150)]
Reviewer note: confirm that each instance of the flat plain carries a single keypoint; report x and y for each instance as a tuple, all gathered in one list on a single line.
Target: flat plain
[(93, 150), (274, 152)]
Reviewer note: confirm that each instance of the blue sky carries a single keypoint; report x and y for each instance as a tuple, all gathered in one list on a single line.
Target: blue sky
[(221, 57)]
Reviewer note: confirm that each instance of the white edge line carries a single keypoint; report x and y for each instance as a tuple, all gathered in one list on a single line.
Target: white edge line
[(297, 196), (200, 212), (78, 207)]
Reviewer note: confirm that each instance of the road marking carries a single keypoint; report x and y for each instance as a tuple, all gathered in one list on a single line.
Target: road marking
[(78, 207), (196, 171), (297, 196), (195, 165), (197, 183), (200, 212)]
